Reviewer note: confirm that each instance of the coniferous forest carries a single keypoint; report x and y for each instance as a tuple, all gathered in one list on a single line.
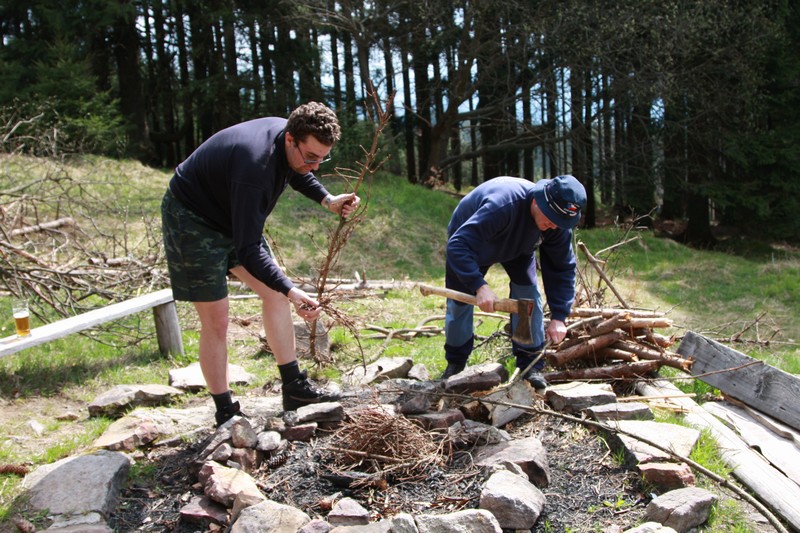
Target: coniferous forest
[(678, 110)]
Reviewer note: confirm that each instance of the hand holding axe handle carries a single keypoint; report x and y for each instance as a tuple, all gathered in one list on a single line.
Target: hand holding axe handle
[(522, 307)]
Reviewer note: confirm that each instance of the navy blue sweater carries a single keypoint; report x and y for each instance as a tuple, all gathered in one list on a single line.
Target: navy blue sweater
[(493, 224), (233, 181)]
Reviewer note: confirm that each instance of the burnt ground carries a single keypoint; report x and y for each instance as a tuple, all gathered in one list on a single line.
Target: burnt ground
[(588, 488)]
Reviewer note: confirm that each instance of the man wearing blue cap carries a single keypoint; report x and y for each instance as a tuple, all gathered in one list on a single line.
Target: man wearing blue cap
[(505, 220)]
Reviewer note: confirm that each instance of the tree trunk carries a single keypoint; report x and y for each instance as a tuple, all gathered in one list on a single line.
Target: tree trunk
[(132, 104)]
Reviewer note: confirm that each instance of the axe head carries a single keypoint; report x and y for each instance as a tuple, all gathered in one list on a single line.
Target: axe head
[(522, 333)]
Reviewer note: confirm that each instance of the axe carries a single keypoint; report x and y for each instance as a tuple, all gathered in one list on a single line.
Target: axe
[(523, 307)]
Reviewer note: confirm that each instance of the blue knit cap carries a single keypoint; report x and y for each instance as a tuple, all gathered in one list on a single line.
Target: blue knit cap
[(561, 199)]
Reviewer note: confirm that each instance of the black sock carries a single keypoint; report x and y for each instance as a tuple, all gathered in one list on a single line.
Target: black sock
[(289, 371), (223, 400)]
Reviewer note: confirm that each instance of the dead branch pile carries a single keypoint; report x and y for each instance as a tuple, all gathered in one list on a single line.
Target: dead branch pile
[(73, 237), (375, 441)]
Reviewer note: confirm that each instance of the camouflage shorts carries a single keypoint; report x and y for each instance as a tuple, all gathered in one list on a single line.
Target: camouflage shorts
[(198, 256)]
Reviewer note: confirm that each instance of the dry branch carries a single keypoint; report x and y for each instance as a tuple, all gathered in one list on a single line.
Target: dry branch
[(626, 371), (590, 347)]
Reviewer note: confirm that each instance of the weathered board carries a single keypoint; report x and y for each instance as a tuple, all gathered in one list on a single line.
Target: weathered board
[(782, 453), (759, 385), (771, 486)]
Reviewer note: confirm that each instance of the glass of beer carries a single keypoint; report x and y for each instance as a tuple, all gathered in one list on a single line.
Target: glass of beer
[(22, 317)]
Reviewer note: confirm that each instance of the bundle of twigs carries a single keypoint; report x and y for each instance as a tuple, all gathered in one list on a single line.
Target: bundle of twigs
[(373, 440)]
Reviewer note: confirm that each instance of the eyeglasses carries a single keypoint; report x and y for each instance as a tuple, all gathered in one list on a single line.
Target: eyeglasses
[(311, 161)]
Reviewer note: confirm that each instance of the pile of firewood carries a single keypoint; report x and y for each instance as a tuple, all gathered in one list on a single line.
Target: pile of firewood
[(612, 344)]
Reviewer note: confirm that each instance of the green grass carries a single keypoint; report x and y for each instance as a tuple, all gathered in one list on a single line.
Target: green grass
[(401, 237)]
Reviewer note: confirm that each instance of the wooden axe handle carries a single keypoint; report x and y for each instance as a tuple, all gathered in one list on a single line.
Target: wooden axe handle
[(506, 305)]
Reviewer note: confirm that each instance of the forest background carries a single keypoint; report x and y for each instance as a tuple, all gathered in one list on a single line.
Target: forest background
[(673, 109)]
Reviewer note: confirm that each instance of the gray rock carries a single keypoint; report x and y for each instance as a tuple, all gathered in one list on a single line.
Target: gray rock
[(123, 397), (320, 412), (470, 521), (681, 509), (513, 500), (348, 512), (268, 441), (477, 378), (576, 396), (527, 453), (469, 433), (621, 411), (681, 440), (101, 475), (419, 372), (269, 516), (242, 434)]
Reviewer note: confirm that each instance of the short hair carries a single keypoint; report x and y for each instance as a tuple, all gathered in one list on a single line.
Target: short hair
[(314, 119)]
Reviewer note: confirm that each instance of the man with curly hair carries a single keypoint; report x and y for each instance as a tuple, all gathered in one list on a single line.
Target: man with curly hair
[(213, 217)]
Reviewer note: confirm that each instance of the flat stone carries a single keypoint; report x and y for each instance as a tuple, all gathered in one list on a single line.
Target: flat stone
[(681, 440), (123, 397), (576, 396), (477, 378), (202, 509), (439, 419), (269, 516), (472, 521), (621, 411), (191, 377)]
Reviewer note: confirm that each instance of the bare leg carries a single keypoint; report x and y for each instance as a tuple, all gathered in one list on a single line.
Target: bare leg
[(214, 344), (276, 315)]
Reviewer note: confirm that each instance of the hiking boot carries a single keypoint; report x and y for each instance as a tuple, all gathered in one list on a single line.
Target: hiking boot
[(536, 380), (302, 391), (452, 369), (226, 414)]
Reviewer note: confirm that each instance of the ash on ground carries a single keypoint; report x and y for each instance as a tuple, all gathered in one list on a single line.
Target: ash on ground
[(588, 489)]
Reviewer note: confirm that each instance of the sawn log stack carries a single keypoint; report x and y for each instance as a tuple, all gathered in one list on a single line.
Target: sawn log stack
[(605, 343)]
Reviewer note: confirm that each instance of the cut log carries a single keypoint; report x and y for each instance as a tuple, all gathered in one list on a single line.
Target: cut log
[(607, 326), (645, 352), (760, 386), (591, 346), (610, 353), (631, 370), (605, 312)]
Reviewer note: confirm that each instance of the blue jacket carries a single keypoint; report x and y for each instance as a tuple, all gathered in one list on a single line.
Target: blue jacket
[(233, 181), (493, 224)]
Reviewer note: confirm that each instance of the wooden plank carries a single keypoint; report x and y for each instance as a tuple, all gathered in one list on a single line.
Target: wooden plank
[(770, 486), (74, 324), (781, 452), (760, 385)]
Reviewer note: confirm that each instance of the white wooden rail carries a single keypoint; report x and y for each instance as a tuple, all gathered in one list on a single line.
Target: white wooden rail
[(168, 329)]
